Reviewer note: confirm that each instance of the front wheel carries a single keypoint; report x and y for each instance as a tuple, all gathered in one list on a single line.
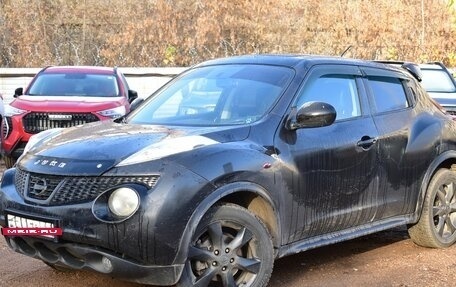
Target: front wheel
[(437, 225), (231, 247)]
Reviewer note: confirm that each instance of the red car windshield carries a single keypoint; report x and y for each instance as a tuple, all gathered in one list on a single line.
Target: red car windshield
[(72, 84)]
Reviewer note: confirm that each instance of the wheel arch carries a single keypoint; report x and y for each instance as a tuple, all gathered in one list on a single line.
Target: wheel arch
[(261, 206), (246, 194), (445, 160)]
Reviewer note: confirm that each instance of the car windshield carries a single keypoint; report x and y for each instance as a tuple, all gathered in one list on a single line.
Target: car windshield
[(74, 84), (437, 81), (216, 95)]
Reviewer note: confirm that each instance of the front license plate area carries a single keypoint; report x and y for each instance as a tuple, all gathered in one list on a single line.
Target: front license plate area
[(24, 226)]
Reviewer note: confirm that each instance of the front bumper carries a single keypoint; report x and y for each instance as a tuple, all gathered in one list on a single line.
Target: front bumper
[(145, 248), (78, 256)]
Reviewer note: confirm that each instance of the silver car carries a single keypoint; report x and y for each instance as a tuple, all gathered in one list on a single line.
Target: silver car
[(440, 84)]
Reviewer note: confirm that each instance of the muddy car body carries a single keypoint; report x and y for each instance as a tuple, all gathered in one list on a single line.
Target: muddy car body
[(298, 152)]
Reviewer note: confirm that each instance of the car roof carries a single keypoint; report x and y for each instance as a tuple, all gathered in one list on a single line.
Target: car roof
[(79, 69), (292, 60)]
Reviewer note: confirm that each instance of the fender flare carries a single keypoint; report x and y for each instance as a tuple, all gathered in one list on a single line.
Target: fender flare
[(435, 164), (210, 201)]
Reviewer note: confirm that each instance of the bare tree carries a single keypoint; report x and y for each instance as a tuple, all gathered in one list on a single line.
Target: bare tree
[(35, 33)]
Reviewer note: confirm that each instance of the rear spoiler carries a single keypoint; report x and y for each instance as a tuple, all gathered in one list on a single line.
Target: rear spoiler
[(412, 68)]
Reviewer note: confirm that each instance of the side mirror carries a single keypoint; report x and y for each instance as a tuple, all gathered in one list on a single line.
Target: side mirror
[(18, 92), (132, 95), (136, 102), (313, 115)]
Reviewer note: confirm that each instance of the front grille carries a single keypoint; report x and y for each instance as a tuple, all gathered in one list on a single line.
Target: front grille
[(7, 123), (38, 122), (41, 188), (75, 189), (67, 189), (20, 181)]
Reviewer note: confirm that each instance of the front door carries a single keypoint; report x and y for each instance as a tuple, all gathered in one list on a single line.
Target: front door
[(332, 170)]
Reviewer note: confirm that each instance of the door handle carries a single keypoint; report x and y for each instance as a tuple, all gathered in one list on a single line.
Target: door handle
[(366, 142)]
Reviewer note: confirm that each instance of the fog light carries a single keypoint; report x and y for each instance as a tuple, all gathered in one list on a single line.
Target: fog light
[(107, 264), (123, 202)]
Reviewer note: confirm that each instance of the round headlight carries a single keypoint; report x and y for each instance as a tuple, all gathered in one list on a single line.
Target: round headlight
[(123, 202)]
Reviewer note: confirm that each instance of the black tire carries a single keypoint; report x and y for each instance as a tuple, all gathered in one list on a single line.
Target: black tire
[(231, 246), (437, 225), (9, 161)]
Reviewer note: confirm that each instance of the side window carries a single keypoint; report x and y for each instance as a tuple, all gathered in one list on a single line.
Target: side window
[(388, 93), (340, 91)]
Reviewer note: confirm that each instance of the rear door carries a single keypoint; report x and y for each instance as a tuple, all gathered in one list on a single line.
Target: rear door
[(407, 140)]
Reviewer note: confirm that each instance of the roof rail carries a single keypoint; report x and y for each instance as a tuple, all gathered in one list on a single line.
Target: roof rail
[(389, 62)]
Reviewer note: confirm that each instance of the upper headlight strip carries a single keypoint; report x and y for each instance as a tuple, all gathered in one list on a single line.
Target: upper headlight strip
[(167, 147), (12, 111)]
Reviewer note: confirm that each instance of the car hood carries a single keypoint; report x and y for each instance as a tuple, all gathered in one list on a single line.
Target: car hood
[(67, 103), (97, 147)]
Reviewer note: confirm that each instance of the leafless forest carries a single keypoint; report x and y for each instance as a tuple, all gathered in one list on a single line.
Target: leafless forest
[(36, 33)]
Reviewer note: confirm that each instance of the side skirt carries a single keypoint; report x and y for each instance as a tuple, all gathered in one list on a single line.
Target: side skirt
[(343, 235)]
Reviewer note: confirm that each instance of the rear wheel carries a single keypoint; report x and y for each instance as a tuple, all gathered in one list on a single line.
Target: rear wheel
[(437, 225), (9, 161), (231, 247)]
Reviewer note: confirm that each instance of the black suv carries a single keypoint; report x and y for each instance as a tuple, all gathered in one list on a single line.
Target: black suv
[(287, 153), (440, 84)]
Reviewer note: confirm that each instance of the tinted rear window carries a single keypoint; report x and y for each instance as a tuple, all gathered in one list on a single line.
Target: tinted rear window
[(388, 93)]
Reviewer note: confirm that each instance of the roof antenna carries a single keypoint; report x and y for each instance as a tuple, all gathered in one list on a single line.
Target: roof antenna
[(346, 50)]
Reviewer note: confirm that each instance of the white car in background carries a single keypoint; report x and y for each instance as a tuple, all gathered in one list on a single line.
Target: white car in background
[(440, 84)]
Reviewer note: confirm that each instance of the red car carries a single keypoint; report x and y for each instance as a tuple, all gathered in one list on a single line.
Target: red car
[(60, 97)]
